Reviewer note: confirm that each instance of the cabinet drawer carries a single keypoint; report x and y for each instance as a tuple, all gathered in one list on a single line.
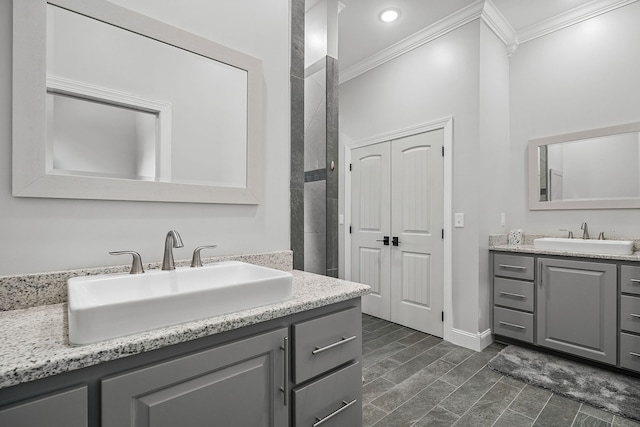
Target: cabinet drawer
[(67, 408), (513, 324), (515, 266), (513, 293), (630, 313), (326, 342), (336, 398), (630, 279), (630, 351)]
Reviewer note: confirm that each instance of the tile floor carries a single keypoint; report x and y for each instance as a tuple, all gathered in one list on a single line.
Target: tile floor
[(416, 379)]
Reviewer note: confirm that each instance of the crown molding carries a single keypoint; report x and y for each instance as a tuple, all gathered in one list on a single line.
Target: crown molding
[(491, 16), (498, 23), (570, 17), (430, 33)]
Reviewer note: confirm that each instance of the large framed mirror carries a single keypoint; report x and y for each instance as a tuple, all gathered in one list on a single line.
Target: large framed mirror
[(594, 169), (111, 104)]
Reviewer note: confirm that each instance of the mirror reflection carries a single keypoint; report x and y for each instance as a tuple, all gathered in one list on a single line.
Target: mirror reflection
[(207, 139), (595, 168), (93, 138)]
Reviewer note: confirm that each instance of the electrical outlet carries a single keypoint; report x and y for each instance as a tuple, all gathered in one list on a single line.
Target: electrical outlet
[(458, 221), (503, 219)]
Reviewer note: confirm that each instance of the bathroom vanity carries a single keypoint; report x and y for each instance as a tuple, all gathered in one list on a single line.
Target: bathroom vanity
[(586, 305), (292, 363)]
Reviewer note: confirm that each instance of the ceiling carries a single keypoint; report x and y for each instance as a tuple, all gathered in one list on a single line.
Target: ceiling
[(362, 34)]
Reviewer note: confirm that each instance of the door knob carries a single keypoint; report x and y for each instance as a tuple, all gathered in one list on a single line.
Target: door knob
[(385, 240), (396, 241)]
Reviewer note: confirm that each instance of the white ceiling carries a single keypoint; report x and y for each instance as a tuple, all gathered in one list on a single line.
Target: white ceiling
[(362, 34)]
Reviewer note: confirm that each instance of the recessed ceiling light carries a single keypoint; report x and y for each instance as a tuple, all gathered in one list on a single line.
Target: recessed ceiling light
[(389, 15)]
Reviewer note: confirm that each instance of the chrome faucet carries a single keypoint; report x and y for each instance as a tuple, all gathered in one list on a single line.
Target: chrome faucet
[(196, 260), (585, 230), (172, 240)]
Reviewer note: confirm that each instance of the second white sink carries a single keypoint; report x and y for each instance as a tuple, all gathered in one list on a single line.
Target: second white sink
[(113, 305), (612, 247)]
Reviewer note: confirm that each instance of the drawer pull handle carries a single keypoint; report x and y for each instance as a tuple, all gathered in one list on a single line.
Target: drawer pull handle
[(634, 354), (344, 406), (635, 315), (634, 280), (513, 267), (509, 294), (285, 387), (512, 325), (344, 340)]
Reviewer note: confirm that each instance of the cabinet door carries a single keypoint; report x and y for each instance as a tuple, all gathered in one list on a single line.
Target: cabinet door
[(576, 308), (237, 384), (64, 409)]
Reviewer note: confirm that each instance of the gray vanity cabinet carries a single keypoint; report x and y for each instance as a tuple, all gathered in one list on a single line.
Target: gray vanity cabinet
[(513, 296), (66, 408), (237, 384), (577, 308), (630, 317), (327, 370)]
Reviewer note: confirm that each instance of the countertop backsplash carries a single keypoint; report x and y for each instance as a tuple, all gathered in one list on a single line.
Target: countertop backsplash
[(501, 239), (498, 242), (31, 290)]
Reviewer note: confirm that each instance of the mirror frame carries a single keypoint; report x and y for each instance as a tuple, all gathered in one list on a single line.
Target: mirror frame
[(30, 175), (534, 183)]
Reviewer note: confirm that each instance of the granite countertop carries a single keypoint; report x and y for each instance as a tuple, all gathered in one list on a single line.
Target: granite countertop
[(529, 249), (35, 340), (498, 242)]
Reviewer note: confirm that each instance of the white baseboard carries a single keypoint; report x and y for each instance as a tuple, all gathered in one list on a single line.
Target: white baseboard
[(476, 342)]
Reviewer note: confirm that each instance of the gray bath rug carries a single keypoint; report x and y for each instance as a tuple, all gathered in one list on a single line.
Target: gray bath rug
[(611, 391)]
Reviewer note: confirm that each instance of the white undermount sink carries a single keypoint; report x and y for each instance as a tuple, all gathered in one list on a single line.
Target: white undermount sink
[(114, 305), (611, 247)]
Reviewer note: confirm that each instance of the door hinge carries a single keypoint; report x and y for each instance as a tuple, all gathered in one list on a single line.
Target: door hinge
[(350, 166), (443, 316), (443, 151), (443, 233), (350, 229)]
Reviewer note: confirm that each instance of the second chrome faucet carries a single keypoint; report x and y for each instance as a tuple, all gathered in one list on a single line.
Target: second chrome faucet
[(585, 230), (173, 240)]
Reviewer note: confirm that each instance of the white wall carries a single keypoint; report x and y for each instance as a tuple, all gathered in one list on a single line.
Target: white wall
[(493, 159), (55, 234), (579, 78), (434, 81)]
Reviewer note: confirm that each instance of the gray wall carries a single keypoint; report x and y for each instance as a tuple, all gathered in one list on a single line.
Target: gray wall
[(55, 234), (436, 80), (582, 77)]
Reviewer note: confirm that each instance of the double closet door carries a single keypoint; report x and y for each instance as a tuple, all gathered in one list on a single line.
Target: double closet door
[(397, 247)]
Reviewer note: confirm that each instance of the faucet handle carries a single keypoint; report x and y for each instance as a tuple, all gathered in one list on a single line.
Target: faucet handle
[(136, 265), (196, 261), (601, 235), (569, 233)]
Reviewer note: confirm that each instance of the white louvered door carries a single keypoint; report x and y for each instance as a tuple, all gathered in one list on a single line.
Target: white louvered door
[(397, 191)]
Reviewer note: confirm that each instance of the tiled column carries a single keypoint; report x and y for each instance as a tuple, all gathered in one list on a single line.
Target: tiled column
[(297, 133), (332, 168)]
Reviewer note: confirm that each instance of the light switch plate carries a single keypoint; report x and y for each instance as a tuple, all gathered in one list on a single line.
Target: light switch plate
[(458, 221)]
